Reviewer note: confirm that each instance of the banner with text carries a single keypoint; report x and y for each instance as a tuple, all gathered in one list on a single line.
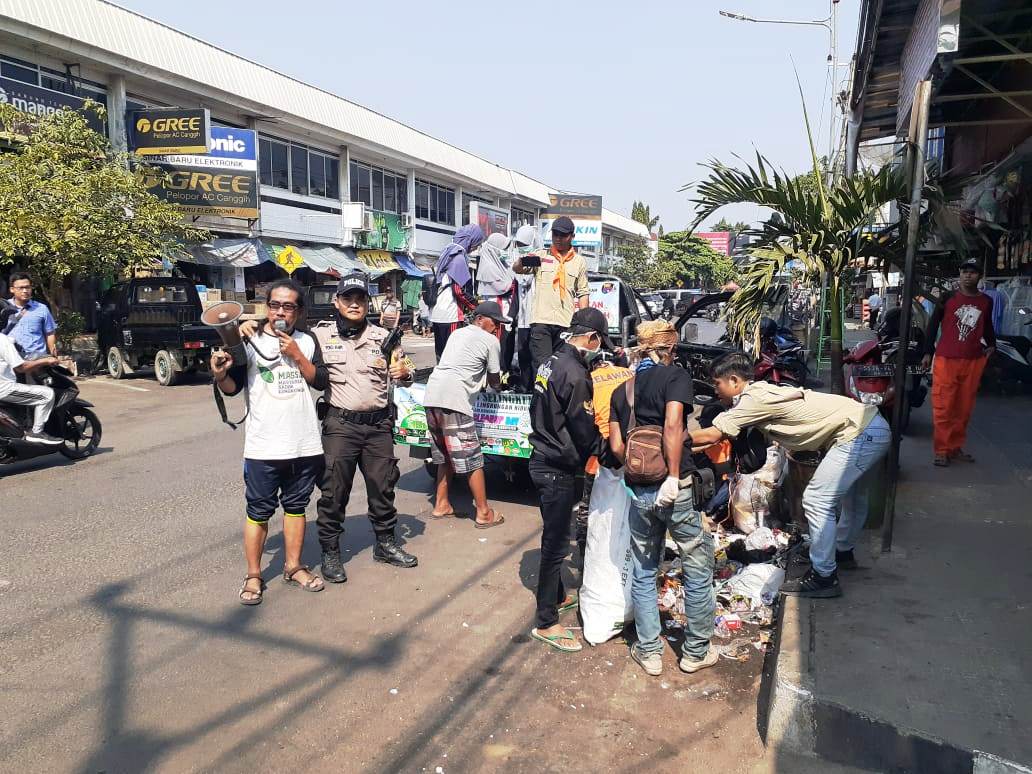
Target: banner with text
[(223, 182), (160, 131), (492, 220), (586, 213), (38, 101)]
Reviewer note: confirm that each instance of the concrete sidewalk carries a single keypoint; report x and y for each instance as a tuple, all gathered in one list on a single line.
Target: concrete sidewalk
[(924, 664)]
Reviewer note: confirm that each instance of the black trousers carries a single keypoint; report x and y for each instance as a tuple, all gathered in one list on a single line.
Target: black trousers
[(544, 340), (441, 333), (872, 318), (556, 490), (370, 448), (523, 359)]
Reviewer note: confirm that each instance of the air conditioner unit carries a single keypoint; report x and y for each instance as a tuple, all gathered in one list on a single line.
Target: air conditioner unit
[(368, 221), (407, 221)]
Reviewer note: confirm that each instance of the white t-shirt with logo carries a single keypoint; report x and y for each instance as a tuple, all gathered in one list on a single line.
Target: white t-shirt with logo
[(281, 423)]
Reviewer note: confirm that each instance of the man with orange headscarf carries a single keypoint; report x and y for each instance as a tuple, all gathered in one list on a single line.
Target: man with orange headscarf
[(560, 288)]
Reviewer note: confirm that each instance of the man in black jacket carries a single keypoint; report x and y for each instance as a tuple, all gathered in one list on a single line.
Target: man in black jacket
[(564, 435)]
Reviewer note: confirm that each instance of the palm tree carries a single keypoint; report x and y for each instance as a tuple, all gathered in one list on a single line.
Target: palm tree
[(824, 228)]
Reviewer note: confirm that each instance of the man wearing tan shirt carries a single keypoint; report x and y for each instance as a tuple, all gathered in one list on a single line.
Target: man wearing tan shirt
[(357, 431), (852, 437), (560, 288)]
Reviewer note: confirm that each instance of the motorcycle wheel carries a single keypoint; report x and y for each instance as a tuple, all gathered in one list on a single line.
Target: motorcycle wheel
[(81, 433)]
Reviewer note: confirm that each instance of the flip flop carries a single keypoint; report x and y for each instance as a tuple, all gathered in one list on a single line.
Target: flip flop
[(496, 521), (553, 640), (570, 605), (451, 515)]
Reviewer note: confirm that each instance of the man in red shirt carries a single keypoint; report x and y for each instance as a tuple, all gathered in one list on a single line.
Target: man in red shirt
[(967, 341)]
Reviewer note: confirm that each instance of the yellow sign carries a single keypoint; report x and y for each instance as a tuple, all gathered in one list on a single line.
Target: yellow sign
[(290, 259), (379, 260)]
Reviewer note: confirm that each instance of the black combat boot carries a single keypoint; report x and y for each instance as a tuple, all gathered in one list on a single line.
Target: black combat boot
[(332, 569), (388, 551)]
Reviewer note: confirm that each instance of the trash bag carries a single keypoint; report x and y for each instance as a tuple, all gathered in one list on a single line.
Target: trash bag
[(605, 595), (754, 495), (759, 583)]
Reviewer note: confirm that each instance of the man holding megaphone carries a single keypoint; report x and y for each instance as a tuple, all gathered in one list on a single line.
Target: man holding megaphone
[(283, 455)]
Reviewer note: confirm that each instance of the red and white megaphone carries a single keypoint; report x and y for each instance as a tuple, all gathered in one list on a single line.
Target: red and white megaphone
[(223, 317)]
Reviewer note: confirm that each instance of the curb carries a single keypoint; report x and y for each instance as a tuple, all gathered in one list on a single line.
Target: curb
[(801, 721)]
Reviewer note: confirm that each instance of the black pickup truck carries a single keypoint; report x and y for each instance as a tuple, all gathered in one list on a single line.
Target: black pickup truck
[(154, 321)]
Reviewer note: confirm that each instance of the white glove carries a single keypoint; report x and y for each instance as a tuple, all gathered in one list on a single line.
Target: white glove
[(667, 492)]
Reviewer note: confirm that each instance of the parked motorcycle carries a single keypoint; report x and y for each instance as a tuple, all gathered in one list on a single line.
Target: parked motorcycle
[(782, 359), (71, 420), (869, 369), (1011, 363)]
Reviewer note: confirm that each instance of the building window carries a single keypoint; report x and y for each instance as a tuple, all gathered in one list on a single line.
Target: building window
[(296, 168), (378, 189), (435, 203), (521, 218), (27, 72)]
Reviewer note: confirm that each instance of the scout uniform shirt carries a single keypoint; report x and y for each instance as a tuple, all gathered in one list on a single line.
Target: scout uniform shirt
[(357, 366), (551, 304)]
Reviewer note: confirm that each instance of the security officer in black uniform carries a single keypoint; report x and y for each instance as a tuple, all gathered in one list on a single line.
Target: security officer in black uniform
[(564, 435), (358, 427)]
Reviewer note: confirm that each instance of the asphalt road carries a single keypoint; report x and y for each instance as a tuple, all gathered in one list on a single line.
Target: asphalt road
[(123, 646)]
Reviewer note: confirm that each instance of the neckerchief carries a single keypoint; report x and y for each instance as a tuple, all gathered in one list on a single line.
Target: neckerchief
[(349, 331), (645, 364), (560, 274)]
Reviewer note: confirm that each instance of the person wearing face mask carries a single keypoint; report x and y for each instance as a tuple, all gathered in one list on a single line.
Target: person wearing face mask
[(527, 241), (564, 436), (663, 397), (497, 282), (358, 428)]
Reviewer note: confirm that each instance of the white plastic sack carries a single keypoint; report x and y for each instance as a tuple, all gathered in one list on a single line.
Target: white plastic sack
[(758, 582), (754, 495), (605, 595)]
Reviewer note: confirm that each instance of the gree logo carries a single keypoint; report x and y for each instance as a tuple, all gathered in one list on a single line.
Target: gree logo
[(144, 125)]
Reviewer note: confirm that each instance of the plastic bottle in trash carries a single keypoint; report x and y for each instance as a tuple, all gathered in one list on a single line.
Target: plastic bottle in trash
[(720, 628)]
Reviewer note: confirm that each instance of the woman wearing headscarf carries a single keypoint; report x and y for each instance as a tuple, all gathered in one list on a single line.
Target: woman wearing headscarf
[(496, 281), (527, 241), (454, 285)]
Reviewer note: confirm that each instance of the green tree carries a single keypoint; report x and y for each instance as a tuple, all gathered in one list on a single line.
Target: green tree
[(641, 268), (693, 261), (641, 212), (70, 205), (734, 229)]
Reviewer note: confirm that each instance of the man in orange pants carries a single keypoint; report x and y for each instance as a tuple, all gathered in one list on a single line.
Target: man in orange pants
[(967, 341)]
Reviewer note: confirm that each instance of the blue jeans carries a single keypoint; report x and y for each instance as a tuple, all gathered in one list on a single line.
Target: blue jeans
[(649, 524), (838, 493)]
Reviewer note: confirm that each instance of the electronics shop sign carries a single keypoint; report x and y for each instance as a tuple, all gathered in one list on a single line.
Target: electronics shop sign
[(44, 102), (222, 182), (170, 130)]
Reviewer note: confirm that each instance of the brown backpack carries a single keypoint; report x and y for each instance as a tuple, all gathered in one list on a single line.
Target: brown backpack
[(644, 461)]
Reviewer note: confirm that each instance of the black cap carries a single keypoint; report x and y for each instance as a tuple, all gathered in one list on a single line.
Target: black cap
[(356, 280), (563, 225), (492, 310), (591, 321), (972, 264)]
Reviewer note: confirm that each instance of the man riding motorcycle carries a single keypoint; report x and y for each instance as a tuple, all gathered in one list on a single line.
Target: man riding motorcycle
[(12, 391)]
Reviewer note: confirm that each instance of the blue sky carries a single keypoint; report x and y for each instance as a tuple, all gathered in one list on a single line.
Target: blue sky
[(622, 99)]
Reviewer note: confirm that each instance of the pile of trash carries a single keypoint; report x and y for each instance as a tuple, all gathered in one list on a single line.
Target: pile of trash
[(751, 555)]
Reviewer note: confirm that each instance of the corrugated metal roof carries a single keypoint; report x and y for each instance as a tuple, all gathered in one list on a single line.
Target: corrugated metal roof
[(142, 41)]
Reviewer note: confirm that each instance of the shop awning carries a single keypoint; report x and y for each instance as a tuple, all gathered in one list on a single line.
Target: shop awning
[(325, 259), (237, 253), (378, 262), (409, 267)]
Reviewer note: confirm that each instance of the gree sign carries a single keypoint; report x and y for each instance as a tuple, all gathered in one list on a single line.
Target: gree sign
[(162, 131), (223, 182), (584, 210)]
